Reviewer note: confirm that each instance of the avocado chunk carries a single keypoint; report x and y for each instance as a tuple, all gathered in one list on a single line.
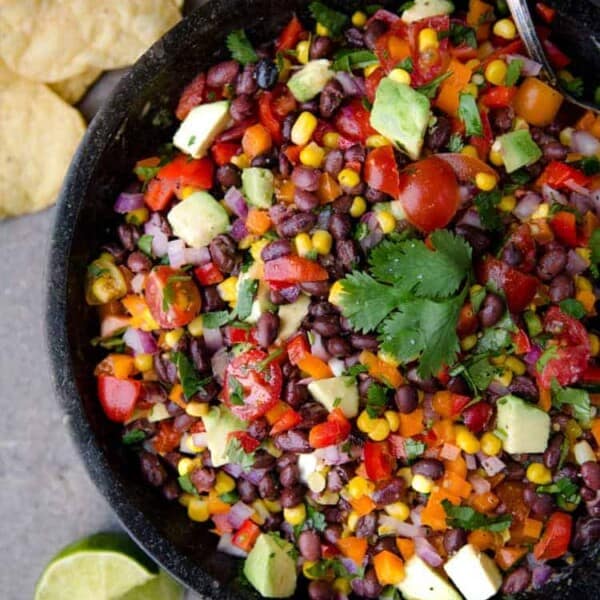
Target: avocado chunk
[(474, 573), (198, 219), (257, 185), (336, 392), (421, 582), (271, 568), (219, 423), (401, 114), (518, 149), (523, 427), (422, 9), (310, 80), (202, 125), (290, 317)]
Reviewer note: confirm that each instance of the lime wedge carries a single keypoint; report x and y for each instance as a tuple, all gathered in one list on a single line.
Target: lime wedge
[(106, 566)]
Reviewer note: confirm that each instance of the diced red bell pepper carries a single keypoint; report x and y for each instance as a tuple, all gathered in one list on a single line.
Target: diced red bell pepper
[(518, 288), (381, 171), (556, 538), (556, 56), (477, 416), (459, 402), (499, 96), (208, 274), (546, 13), (290, 35), (245, 537), (118, 397), (290, 418), (247, 442), (192, 96), (564, 225), (559, 175), (379, 462), (333, 431), (521, 342), (239, 335), (294, 269), (298, 348), (268, 117), (158, 193), (223, 152)]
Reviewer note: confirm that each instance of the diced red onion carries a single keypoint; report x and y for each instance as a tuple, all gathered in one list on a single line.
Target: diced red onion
[(427, 552), (576, 264), (575, 187), (540, 575), (492, 465), (337, 366), (238, 230), (213, 339), (196, 256), (221, 522), (306, 380), (428, 410), (127, 202), (350, 565), (371, 239), (471, 217), (431, 452), (200, 439), (235, 202), (332, 455), (238, 513), (153, 225), (227, 546), (527, 205), (401, 528), (552, 196), (583, 142), (415, 515), (137, 283), (352, 360), (470, 461), (233, 469), (530, 68), (352, 85), (533, 355), (449, 452), (111, 324), (160, 244), (480, 485), (183, 422), (255, 476), (291, 293), (318, 348), (581, 202), (176, 253), (141, 342), (218, 363)]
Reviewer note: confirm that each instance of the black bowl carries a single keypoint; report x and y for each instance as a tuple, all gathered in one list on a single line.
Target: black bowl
[(136, 120)]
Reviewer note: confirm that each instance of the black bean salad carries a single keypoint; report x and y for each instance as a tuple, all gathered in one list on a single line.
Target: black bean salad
[(349, 311)]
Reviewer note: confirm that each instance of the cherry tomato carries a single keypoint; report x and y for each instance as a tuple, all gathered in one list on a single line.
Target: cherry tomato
[(294, 269), (555, 541), (208, 274), (118, 397), (379, 462), (477, 416), (192, 96), (381, 171), (334, 431), (352, 121), (429, 193), (430, 63), (252, 385), (468, 322), (172, 297)]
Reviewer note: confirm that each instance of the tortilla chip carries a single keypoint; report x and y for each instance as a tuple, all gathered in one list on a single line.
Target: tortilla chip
[(73, 89), (53, 40), (39, 133)]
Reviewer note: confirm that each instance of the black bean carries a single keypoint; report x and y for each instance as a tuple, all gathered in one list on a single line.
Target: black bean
[(491, 310), (356, 153), (454, 540), (342, 204), (183, 422), (368, 587), (501, 119), (389, 491), (354, 37), (299, 223), (229, 176), (258, 429), (569, 470), (241, 108), (203, 479), (339, 347), (523, 386), (294, 394), (292, 496), (286, 459), (263, 460), (327, 325), (319, 309), (199, 354), (247, 491), (331, 98), (312, 414), (334, 268), (335, 514), (554, 151), (428, 467), (334, 162), (587, 494), (321, 590), (553, 451), (373, 196), (223, 251), (319, 289), (152, 470), (309, 545), (116, 250), (340, 226), (363, 341), (457, 385), (478, 239), (552, 263), (246, 84), (267, 328), (128, 236), (511, 255), (305, 201), (438, 136), (517, 581), (286, 127), (293, 441), (333, 533), (266, 74), (348, 254), (587, 532), (373, 32), (138, 262), (172, 459), (406, 398), (276, 249), (366, 525), (334, 481), (542, 506), (165, 369), (590, 472), (267, 487), (310, 106), (321, 47), (561, 288), (284, 166), (170, 490), (222, 73), (514, 471), (289, 476), (266, 161)]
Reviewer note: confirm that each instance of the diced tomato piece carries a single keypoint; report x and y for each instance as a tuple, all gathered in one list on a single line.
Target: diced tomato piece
[(334, 431), (564, 226), (294, 269), (245, 537), (556, 538), (483, 143), (353, 121), (290, 418), (208, 274), (459, 402), (247, 442), (521, 342), (268, 117), (381, 171), (159, 193), (559, 175), (223, 152), (239, 335), (379, 462), (167, 439), (118, 397), (545, 12)]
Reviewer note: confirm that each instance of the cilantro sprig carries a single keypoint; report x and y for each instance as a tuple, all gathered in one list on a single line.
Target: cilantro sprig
[(465, 517), (565, 491), (328, 17), (430, 89), (579, 400), (191, 382), (236, 454), (348, 60), (240, 47), (376, 400), (487, 203), (468, 113)]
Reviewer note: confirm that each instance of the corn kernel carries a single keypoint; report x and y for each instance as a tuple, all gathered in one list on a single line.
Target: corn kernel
[(387, 221), (406, 474), (572, 429), (515, 365), (495, 155), (495, 72), (273, 506), (491, 444), (228, 289), (242, 161), (137, 216), (316, 482), (261, 513), (195, 326), (296, 515), (307, 569), (473, 63), (378, 141), (303, 244), (468, 342), (505, 28), (498, 361), (393, 419), (398, 510), (143, 362), (520, 124), (541, 212), (303, 51), (364, 422), (400, 76), (428, 39), (188, 190), (312, 155), (539, 474), (321, 30), (358, 207), (342, 586), (505, 377), (172, 337), (583, 452), (370, 69), (466, 441), (331, 140), (380, 431), (257, 247), (594, 344), (359, 18), (478, 79), (322, 241), (184, 466), (471, 89), (184, 499), (565, 136), (359, 486), (485, 181), (197, 409), (349, 178), (469, 150), (585, 253), (583, 284), (352, 520), (422, 484), (507, 204), (224, 483), (303, 128), (198, 510), (335, 293)]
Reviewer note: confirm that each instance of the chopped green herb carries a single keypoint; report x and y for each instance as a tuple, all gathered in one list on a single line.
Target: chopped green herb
[(95, 271), (371, 9), (477, 297), (236, 454), (146, 173), (465, 517), (406, 6), (191, 140), (236, 391), (240, 47), (564, 489), (579, 400), (574, 86), (246, 292), (145, 244), (332, 19), (573, 307), (460, 34), (376, 400), (590, 165), (455, 143), (429, 90), (230, 497), (213, 320), (355, 370), (361, 232), (263, 364), (348, 60), (191, 382), (413, 449), (513, 72), (185, 483), (487, 203), (406, 64), (114, 343), (133, 437), (478, 372), (468, 113)]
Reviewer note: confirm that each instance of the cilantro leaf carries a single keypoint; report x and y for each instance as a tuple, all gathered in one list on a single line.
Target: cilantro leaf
[(245, 298), (460, 34), (594, 245), (468, 113), (573, 308), (146, 173), (465, 517), (406, 64), (376, 400), (332, 19), (564, 489), (429, 90), (316, 520), (185, 483), (133, 437), (240, 47), (355, 370), (236, 391), (169, 290), (191, 382), (347, 60), (578, 399), (455, 143), (212, 320), (513, 72), (236, 454), (145, 244), (590, 165), (486, 203), (413, 449), (481, 372)]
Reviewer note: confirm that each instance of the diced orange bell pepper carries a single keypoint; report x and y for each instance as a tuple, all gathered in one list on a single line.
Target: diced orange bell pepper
[(442, 403), (596, 430), (284, 191), (363, 505), (483, 539), (479, 16), (315, 367), (256, 141), (456, 485), (176, 395), (389, 568), (444, 431), (141, 317), (406, 547), (532, 528), (120, 366), (449, 95), (545, 399), (458, 466), (588, 299), (354, 548), (216, 506), (329, 189), (434, 515), (536, 102), (411, 424), (508, 556), (258, 221), (485, 502), (380, 369)]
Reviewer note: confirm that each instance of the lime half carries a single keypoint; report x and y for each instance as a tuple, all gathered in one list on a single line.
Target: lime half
[(106, 566)]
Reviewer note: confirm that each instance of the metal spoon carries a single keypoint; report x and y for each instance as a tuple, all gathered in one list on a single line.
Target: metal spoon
[(526, 28)]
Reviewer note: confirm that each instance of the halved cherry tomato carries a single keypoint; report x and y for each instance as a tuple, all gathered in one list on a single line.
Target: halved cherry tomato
[(294, 269), (290, 36), (556, 538), (381, 171), (431, 63), (252, 385), (477, 416), (334, 431), (245, 537), (159, 193), (564, 225), (379, 462), (353, 121), (521, 342), (208, 274), (172, 297), (468, 322), (118, 397), (429, 193), (192, 96)]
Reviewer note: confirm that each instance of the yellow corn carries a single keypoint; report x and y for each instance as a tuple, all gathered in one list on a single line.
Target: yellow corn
[(469, 150), (491, 444), (331, 139), (307, 568), (585, 253), (573, 429), (349, 178), (184, 499), (406, 474), (184, 466), (495, 155), (241, 161), (393, 419), (398, 510), (342, 586), (198, 510), (485, 181), (335, 293), (594, 344), (466, 441), (507, 204), (380, 431), (172, 337), (352, 520), (422, 484), (358, 207), (261, 513), (321, 30), (541, 212), (322, 241), (505, 377), (197, 409), (377, 141), (520, 124), (387, 221), (506, 29), (187, 191), (303, 128), (539, 474), (359, 486), (143, 362), (468, 342), (428, 39), (400, 76), (364, 422), (303, 244), (312, 155), (257, 247), (495, 72), (370, 69), (228, 289), (498, 360), (515, 365), (303, 51), (195, 327), (224, 483), (137, 216), (316, 482), (296, 515), (583, 284), (565, 136), (388, 358), (273, 506), (359, 18), (471, 89)]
